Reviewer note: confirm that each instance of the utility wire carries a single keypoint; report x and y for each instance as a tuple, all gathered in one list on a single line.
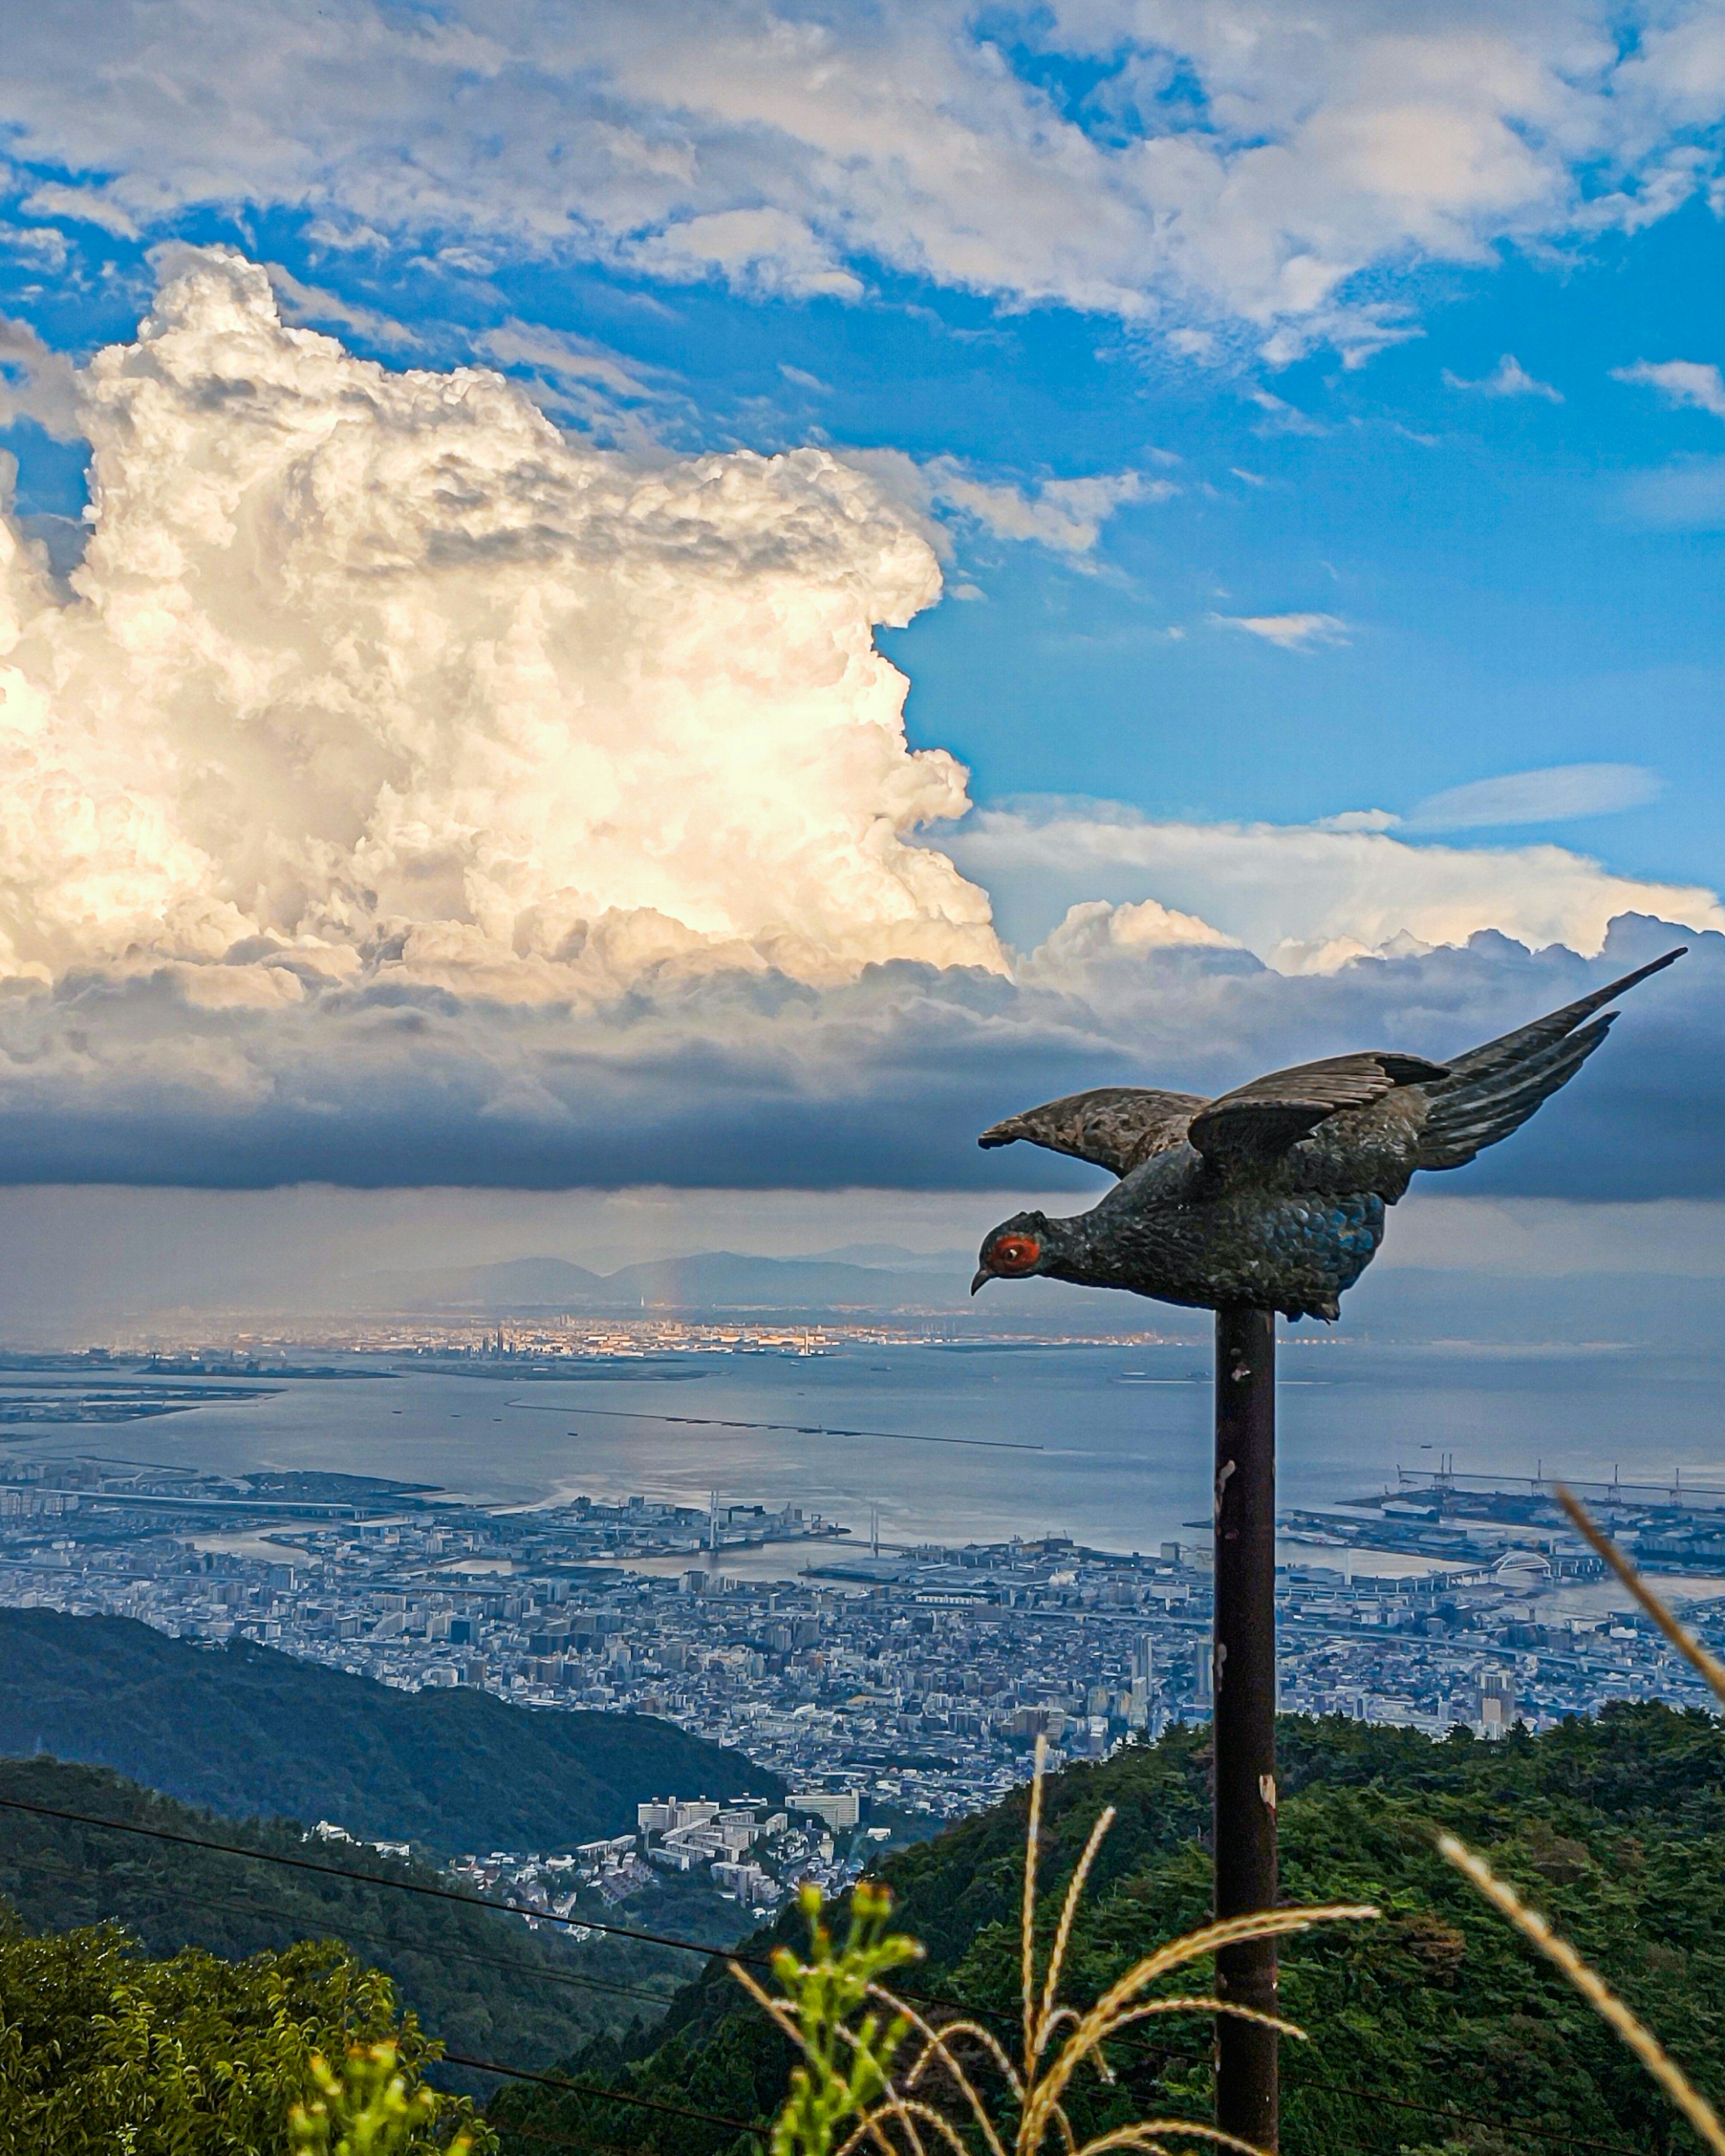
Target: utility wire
[(376, 1879), (431, 1893), (597, 2091), (603, 2094), (528, 1972)]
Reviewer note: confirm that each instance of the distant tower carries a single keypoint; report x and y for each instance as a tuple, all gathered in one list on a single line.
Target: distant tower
[(1204, 1691), (875, 1529), (1144, 1659), (712, 1522)]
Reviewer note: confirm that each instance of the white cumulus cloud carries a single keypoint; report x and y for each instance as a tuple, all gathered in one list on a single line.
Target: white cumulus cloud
[(405, 791), (1093, 930), (367, 669), (1309, 898), (1691, 382)]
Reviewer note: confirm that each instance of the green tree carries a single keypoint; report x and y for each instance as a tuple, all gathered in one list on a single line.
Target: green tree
[(105, 2053)]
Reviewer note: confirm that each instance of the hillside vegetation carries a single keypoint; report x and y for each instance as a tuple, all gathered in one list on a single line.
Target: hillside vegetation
[(102, 2050), (483, 1983), (1435, 2028), (244, 1731)]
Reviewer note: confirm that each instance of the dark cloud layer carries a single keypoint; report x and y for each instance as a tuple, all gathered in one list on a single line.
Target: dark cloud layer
[(741, 1081)]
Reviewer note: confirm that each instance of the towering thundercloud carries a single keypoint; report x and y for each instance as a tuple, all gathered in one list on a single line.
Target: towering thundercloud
[(1272, 1197)]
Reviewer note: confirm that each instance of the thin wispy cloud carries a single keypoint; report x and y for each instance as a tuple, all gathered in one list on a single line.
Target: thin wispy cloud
[(36, 382), (1552, 796), (313, 305), (1508, 378), (82, 206), (1288, 632), (1687, 494), (1064, 514), (1282, 417)]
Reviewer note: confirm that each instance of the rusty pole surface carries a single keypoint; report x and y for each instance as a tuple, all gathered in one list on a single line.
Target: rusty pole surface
[(1244, 1730)]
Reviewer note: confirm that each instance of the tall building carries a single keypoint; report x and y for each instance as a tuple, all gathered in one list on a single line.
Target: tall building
[(1144, 1659), (836, 1809)]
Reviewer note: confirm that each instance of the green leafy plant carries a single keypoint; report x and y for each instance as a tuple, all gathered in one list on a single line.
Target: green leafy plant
[(849, 2048), (369, 2109), (105, 2052), (872, 2065)]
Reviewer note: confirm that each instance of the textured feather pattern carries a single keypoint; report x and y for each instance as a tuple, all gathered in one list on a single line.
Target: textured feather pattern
[(1510, 1049), (1263, 1119), (1116, 1126), (1467, 1117), (1493, 1089)]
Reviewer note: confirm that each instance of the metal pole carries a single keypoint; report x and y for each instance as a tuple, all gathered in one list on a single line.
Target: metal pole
[(1244, 1729)]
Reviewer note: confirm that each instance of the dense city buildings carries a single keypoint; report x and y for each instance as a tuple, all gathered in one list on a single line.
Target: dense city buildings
[(881, 1688), (905, 1681)]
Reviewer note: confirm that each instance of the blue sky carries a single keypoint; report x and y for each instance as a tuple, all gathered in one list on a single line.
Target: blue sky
[(1524, 582), (1309, 417)]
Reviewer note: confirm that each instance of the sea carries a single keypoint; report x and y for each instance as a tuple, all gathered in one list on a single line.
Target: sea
[(953, 1441)]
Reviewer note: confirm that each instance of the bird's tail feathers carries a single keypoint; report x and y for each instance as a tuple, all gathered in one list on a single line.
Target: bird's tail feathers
[(1511, 1050), (1468, 1115)]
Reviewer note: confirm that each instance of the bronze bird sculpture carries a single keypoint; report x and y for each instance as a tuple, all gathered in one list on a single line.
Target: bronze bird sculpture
[(1273, 1197)]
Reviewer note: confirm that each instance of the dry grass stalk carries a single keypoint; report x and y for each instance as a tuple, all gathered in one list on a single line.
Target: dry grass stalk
[(1593, 1988), (900, 2120), (1707, 1665)]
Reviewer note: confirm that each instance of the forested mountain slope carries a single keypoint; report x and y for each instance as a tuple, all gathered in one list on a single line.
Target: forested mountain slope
[(1434, 2027), (247, 1732), (479, 1980)]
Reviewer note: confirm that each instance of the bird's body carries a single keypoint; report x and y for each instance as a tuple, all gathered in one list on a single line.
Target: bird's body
[(1274, 1196), (1258, 1247)]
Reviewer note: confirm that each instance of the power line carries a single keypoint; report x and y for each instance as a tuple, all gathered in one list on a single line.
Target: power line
[(603, 2095), (378, 1879), (528, 1972), (436, 1893), (690, 1946), (597, 2091), (486, 2066)]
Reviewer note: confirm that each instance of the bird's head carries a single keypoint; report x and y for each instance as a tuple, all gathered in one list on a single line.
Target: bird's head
[(1018, 1247)]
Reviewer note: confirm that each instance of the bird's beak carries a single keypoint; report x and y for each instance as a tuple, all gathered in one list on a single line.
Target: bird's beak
[(983, 1276)]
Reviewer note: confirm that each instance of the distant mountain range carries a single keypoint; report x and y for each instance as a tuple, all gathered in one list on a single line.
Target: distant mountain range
[(1392, 1302), (255, 1734), (874, 1277)]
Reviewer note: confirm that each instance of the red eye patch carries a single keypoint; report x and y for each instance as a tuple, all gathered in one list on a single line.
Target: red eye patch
[(1015, 1253)]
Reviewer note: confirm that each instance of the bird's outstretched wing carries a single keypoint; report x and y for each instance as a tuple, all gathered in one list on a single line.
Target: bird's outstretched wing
[(1118, 1126), (1259, 1122), (1492, 1091)]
